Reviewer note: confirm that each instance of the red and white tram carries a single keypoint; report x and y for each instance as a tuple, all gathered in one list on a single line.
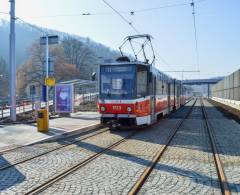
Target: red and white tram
[(135, 93)]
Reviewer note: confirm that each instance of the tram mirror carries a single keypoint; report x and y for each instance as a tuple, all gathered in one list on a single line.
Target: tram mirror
[(93, 76), (162, 86)]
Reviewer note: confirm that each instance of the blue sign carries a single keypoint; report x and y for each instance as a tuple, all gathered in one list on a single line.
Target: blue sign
[(64, 98), (44, 93)]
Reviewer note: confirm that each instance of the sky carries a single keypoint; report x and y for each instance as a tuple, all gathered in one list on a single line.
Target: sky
[(217, 23)]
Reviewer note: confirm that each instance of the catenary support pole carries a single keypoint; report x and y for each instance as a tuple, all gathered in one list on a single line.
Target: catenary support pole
[(12, 62)]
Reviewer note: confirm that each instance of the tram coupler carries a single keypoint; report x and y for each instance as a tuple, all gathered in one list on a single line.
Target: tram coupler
[(113, 124)]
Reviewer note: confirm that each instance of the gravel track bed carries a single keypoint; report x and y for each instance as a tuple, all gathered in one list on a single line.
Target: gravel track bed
[(187, 166), (25, 176), (227, 135)]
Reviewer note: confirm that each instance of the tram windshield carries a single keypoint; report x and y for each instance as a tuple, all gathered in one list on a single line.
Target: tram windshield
[(117, 82)]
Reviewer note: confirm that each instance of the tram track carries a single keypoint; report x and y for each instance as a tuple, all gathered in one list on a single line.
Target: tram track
[(27, 166), (90, 133), (81, 164), (140, 182), (70, 170), (217, 160), (64, 136)]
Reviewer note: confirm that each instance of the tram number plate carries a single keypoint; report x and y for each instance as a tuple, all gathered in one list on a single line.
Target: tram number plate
[(116, 107)]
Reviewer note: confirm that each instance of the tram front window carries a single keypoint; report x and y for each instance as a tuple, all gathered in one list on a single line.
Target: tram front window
[(117, 82)]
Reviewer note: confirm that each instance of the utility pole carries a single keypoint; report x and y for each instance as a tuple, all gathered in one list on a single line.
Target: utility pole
[(12, 62)]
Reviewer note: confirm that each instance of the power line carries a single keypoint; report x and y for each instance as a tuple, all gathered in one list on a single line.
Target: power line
[(131, 12), (165, 6), (32, 26), (195, 33), (120, 15), (160, 57)]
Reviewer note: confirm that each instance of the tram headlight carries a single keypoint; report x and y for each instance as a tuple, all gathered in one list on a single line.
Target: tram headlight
[(129, 109), (103, 108)]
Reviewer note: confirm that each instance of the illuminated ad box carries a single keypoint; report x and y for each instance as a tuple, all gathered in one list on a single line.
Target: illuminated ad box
[(64, 98)]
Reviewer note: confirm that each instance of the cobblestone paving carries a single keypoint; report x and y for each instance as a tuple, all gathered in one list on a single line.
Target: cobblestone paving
[(25, 176), (227, 134), (187, 166), (27, 152), (116, 171)]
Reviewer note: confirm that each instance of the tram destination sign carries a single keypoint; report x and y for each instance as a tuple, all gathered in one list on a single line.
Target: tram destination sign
[(52, 39)]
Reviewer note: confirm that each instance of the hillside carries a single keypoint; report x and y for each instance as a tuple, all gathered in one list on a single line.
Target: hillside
[(26, 35)]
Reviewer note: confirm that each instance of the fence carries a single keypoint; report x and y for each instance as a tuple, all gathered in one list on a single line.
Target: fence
[(228, 88), (83, 94)]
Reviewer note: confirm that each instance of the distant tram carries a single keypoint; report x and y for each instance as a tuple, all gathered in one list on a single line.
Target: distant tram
[(133, 93)]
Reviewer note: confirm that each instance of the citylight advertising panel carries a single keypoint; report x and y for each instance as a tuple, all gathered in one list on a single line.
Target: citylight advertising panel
[(64, 98)]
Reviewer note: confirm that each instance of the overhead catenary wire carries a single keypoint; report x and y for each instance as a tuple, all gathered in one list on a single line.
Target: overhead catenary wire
[(120, 15), (32, 26), (129, 12), (195, 33), (155, 53)]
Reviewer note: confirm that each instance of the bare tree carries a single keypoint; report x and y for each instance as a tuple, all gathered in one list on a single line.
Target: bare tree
[(3, 78), (78, 53), (32, 71)]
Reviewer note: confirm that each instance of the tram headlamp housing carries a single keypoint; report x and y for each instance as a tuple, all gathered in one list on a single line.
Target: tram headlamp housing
[(103, 108), (129, 109)]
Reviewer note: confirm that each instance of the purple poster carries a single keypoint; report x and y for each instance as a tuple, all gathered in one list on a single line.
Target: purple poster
[(64, 98)]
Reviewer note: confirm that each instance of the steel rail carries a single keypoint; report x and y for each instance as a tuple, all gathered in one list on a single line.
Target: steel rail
[(67, 134), (70, 170), (11, 148), (135, 189), (63, 174), (102, 130), (219, 167)]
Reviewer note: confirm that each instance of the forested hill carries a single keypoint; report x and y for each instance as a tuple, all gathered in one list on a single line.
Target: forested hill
[(74, 57), (26, 35)]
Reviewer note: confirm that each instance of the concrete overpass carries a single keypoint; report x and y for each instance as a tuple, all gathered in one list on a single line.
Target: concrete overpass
[(202, 81), (207, 82)]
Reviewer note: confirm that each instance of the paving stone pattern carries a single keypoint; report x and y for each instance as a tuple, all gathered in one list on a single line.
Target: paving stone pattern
[(116, 171), (227, 135), (22, 153), (25, 176), (187, 166)]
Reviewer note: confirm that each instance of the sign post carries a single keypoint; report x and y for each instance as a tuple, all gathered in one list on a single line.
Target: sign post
[(46, 41)]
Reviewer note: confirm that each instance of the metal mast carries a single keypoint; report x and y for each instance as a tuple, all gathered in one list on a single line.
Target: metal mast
[(12, 62)]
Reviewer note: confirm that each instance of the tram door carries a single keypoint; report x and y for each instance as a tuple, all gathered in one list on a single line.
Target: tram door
[(153, 99), (169, 96)]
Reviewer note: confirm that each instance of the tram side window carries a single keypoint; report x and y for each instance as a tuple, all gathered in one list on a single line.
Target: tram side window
[(141, 83), (159, 90)]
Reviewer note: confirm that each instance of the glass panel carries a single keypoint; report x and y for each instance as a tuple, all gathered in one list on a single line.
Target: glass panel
[(141, 83), (117, 82)]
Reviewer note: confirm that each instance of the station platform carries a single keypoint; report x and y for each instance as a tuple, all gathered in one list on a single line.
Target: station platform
[(231, 106), (22, 134)]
